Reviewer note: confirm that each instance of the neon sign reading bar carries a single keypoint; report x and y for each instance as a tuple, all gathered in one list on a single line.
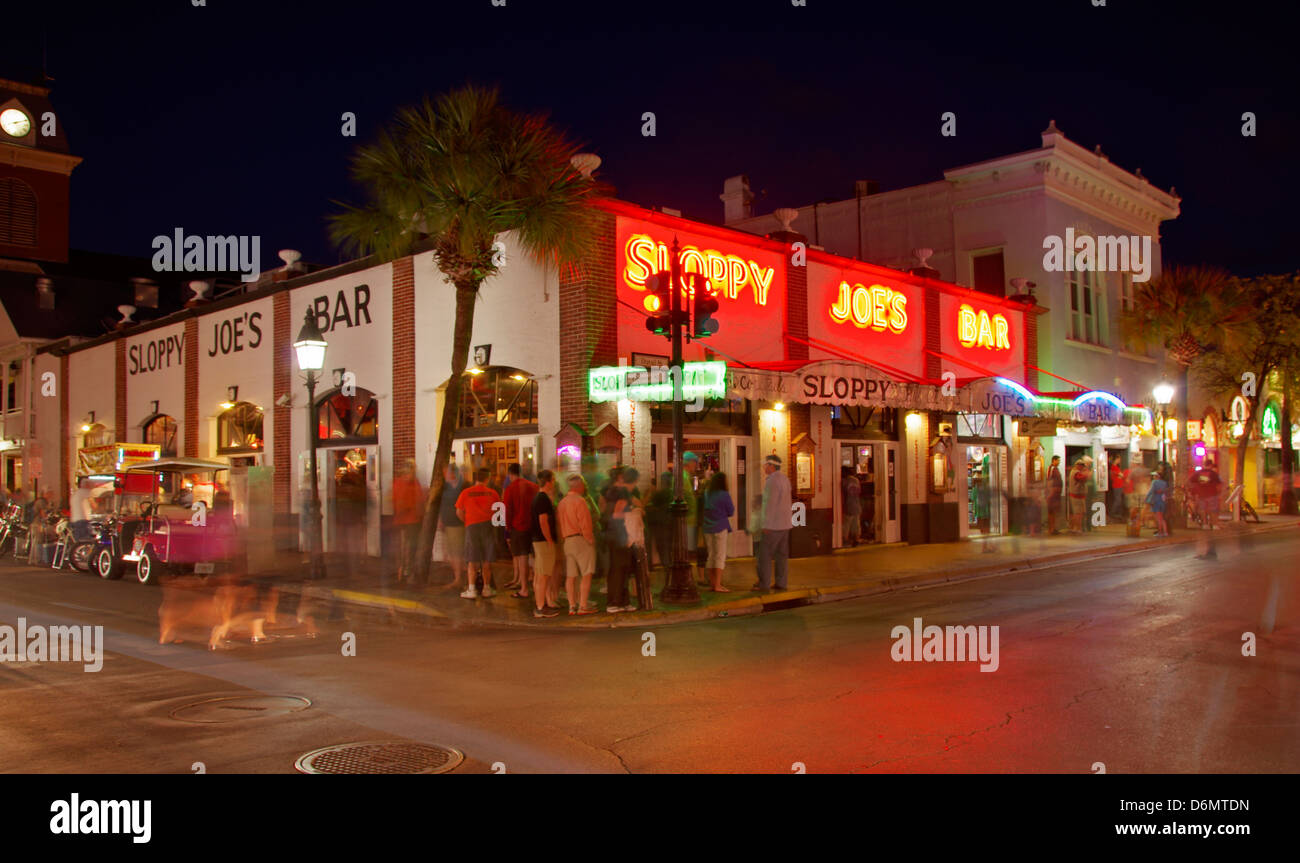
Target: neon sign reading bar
[(980, 330)]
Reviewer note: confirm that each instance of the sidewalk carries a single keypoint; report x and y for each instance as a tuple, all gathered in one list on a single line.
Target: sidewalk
[(844, 574)]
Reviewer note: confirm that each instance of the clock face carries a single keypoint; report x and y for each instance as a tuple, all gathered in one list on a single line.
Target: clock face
[(15, 123)]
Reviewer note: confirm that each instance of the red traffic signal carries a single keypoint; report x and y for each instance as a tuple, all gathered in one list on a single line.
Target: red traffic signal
[(658, 299)]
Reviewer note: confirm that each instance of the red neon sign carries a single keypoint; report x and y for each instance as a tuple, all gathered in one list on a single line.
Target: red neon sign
[(730, 274), (980, 329), (877, 307)]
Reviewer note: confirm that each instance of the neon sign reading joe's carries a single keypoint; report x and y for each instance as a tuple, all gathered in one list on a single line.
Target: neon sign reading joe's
[(877, 307)]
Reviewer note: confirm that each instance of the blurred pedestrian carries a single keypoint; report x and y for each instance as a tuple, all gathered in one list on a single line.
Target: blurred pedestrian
[(475, 506), (453, 529), (851, 507), (1155, 499), (1078, 495), (621, 501), (408, 510), (1055, 488), (1206, 485), (773, 527), (544, 533), (518, 498), (718, 509), (579, 536)]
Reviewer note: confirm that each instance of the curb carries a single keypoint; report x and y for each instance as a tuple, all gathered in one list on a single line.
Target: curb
[(390, 607)]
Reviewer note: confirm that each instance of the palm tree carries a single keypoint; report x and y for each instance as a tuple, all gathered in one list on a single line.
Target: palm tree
[(1187, 311), (452, 174)]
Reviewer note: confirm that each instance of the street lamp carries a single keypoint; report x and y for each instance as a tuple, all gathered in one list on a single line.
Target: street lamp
[(1164, 393), (310, 348)]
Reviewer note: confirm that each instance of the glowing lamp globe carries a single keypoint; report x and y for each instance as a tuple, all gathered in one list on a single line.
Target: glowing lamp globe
[(310, 345)]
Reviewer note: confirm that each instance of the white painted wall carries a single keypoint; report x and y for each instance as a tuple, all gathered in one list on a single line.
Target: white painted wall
[(232, 352), (517, 313), (155, 369), (91, 387)]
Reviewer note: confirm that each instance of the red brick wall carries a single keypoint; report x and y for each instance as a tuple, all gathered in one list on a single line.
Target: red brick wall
[(403, 361), (933, 365), (588, 328), (796, 312), (1031, 348), (119, 386), (191, 388), (282, 363)]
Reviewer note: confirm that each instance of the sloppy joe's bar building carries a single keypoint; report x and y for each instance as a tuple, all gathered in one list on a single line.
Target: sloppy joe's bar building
[(914, 385)]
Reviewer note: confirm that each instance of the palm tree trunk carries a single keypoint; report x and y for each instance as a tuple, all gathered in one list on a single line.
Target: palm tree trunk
[(1287, 502), (1178, 517), (463, 332)]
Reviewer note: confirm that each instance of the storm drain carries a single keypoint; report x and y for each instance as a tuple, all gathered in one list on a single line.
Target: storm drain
[(380, 758), (236, 707)]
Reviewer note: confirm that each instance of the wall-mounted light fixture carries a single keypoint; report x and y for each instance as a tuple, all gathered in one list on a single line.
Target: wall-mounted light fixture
[(232, 396), (90, 421), (153, 407), (338, 376)]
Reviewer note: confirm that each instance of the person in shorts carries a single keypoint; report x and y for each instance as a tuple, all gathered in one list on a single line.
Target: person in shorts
[(1207, 485), (579, 537), (475, 507), (453, 529), (518, 498), (544, 532), (717, 510)]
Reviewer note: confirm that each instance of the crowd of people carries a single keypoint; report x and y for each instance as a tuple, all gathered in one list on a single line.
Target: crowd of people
[(562, 532)]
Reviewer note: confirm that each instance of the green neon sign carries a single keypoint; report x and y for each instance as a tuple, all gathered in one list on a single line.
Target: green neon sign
[(699, 380), (1269, 421)]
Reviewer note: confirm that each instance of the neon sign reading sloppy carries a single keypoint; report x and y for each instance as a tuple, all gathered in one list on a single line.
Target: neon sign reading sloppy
[(730, 274), (981, 330), (877, 307)]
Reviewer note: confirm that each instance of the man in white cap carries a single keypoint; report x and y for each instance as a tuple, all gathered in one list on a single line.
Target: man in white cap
[(771, 523)]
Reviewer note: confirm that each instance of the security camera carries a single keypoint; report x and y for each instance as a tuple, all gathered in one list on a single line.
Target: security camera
[(284, 401)]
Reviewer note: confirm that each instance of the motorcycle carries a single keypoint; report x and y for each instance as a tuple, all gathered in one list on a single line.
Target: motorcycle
[(76, 542), (13, 529)]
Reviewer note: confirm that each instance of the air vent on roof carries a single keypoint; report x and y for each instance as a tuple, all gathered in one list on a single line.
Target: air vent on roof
[(146, 293)]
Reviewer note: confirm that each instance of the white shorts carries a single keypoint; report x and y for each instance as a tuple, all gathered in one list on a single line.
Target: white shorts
[(716, 543)]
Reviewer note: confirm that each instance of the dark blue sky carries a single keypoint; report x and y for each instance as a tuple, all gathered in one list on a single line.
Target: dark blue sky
[(226, 118)]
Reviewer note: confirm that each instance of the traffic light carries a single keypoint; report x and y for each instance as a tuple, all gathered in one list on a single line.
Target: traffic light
[(706, 305), (659, 301)]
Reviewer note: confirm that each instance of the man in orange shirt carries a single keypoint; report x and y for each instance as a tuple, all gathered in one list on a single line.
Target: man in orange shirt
[(408, 508), (579, 537), (475, 507)]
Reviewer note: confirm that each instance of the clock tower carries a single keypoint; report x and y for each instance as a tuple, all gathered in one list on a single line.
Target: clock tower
[(35, 173)]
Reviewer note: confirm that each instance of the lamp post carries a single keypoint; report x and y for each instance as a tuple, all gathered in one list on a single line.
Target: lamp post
[(310, 348), (1164, 393), (680, 587)]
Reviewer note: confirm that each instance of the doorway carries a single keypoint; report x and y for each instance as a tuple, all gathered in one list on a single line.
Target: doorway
[(872, 464), (350, 501), (985, 469)]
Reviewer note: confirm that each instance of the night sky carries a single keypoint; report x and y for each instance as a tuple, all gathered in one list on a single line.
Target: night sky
[(225, 119)]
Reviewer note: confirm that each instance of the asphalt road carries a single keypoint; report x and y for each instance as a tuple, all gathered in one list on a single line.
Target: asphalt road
[(1134, 661)]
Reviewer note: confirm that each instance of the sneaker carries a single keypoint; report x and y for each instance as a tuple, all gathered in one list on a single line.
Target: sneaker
[(488, 592), (469, 594), (583, 611), (614, 609), (545, 612)]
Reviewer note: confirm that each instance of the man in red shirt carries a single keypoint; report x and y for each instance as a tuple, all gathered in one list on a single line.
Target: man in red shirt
[(1206, 485), (408, 509), (518, 499), (475, 507)]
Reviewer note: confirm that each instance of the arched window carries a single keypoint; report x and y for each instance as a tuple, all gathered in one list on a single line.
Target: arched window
[(239, 429), (352, 420), (497, 396), (161, 429), (96, 435), (17, 213)]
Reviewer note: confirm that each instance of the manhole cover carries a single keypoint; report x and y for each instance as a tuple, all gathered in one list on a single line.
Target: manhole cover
[(234, 707), (380, 758)]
